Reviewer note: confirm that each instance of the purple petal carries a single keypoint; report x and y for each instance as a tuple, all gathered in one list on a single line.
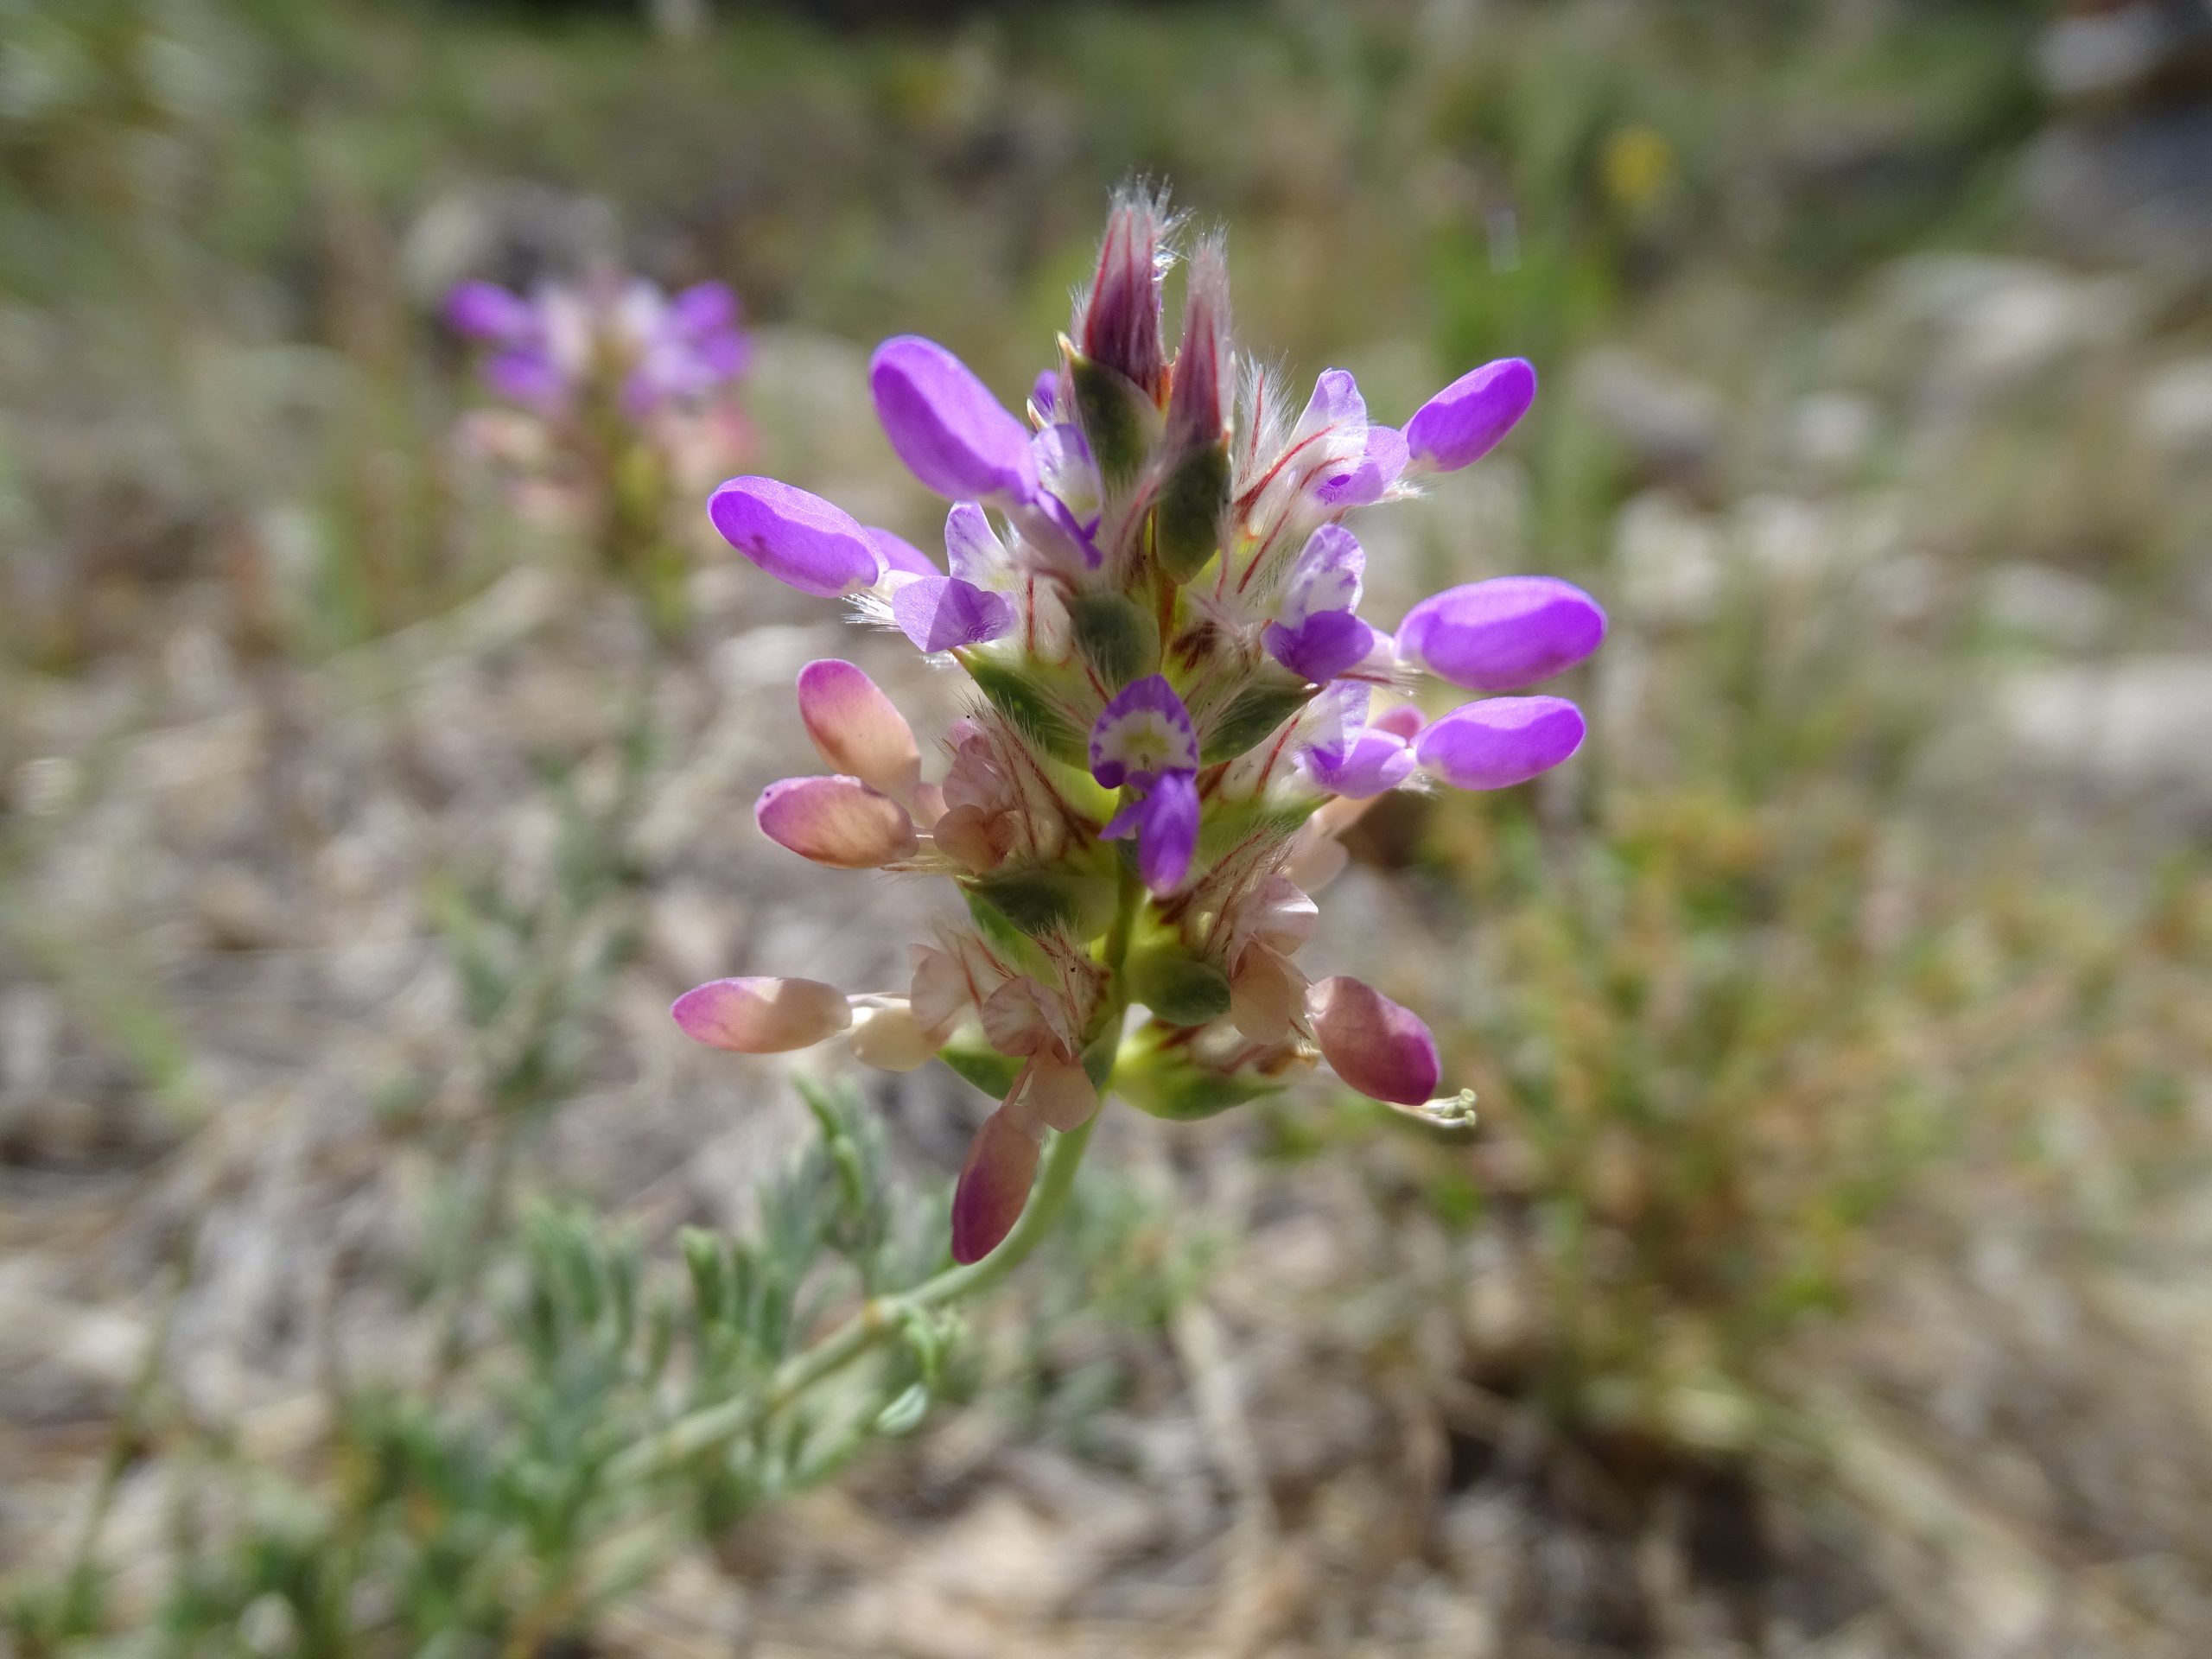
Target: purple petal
[(526, 376), (1164, 821), (1465, 422), (799, 539), (944, 613), (971, 545), (1502, 634), (1373, 763), (1500, 742), (946, 426), (723, 356), (762, 1016), (1336, 402), (1325, 576), (1321, 647), (899, 554), (1045, 392), (840, 821), (1384, 458), (993, 1185), (705, 307), (486, 311), (1143, 733), (1381, 1049)]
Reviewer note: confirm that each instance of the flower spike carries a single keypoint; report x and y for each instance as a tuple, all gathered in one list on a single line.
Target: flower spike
[(1155, 602)]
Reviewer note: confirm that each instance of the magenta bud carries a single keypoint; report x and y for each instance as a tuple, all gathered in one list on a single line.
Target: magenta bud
[(1466, 420), (944, 613), (857, 729), (993, 1185), (1197, 400), (840, 821), (1383, 1050), (1502, 634), (762, 1016), (1501, 742), (799, 539), (1121, 317), (945, 425)]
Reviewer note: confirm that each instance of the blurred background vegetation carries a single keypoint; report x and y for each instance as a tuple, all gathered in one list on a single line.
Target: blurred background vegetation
[(1822, 1277)]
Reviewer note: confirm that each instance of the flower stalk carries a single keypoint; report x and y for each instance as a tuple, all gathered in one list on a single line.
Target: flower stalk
[(879, 1320)]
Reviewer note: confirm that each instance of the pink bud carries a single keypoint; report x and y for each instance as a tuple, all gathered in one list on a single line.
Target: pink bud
[(836, 821), (993, 1185), (857, 729), (1379, 1048), (762, 1016)]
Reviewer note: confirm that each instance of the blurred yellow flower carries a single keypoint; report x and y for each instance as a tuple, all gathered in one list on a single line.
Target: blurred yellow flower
[(1638, 165)]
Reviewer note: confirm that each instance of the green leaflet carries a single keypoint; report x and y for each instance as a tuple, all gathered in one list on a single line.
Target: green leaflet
[(1186, 520), (1179, 988), (1036, 900), (1118, 421), (1119, 636), (1169, 1084), (1029, 707), (1251, 714), (989, 1069)]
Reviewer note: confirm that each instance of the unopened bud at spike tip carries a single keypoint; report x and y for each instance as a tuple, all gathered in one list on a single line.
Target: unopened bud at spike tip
[(1198, 402), (1121, 316)]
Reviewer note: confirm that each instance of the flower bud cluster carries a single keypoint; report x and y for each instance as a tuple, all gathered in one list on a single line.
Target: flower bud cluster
[(1177, 711), (613, 395)]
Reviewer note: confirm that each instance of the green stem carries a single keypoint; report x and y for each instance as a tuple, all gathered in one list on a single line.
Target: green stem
[(878, 1319), (881, 1318)]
